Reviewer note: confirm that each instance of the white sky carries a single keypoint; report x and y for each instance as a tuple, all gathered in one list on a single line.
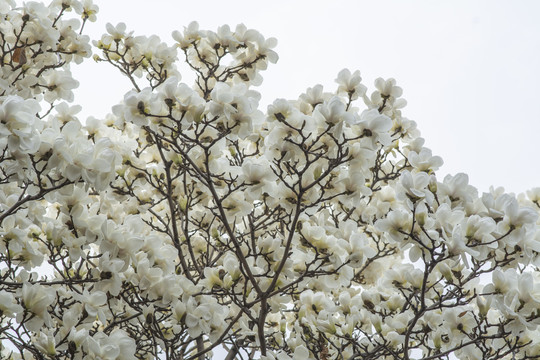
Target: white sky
[(469, 69)]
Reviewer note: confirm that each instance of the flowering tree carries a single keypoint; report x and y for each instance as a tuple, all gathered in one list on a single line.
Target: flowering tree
[(190, 223)]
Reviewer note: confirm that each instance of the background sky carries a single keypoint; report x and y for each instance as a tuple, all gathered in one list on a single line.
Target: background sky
[(469, 69)]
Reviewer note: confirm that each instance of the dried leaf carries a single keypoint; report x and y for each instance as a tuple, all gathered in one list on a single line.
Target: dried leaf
[(19, 55)]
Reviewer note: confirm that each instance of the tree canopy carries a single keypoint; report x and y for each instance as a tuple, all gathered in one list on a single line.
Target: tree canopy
[(189, 223)]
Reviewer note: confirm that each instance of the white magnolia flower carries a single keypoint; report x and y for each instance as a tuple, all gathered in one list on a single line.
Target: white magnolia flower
[(116, 33), (350, 84), (424, 161), (315, 96), (45, 342), (415, 186), (387, 95), (373, 126), (59, 85), (8, 305), (89, 10), (19, 124), (94, 304), (116, 346), (36, 298), (360, 249), (517, 216), (191, 35), (396, 225), (333, 112), (457, 188)]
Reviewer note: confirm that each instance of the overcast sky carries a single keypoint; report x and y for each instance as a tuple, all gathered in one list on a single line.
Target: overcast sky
[(469, 69)]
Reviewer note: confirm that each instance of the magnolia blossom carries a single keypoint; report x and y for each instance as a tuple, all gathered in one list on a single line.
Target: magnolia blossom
[(350, 84), (8, 306), (19, 125), (374, 126), (45, 343), (415, 186), (190, 35), (36, 299), (315, 96), (333, 112), (387, 94), (424, 161), (395, 225), (118, 345), (59, 85)]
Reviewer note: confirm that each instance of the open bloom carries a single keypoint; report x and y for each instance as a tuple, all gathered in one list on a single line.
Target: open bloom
[(8, 305), (350, 84), (373, 126), (415, 187), (424, 160), (19, 124)]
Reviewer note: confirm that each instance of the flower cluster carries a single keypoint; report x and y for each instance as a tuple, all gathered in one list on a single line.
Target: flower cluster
[(190, 221), (137, 56), (248, 51), (38, 43)]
